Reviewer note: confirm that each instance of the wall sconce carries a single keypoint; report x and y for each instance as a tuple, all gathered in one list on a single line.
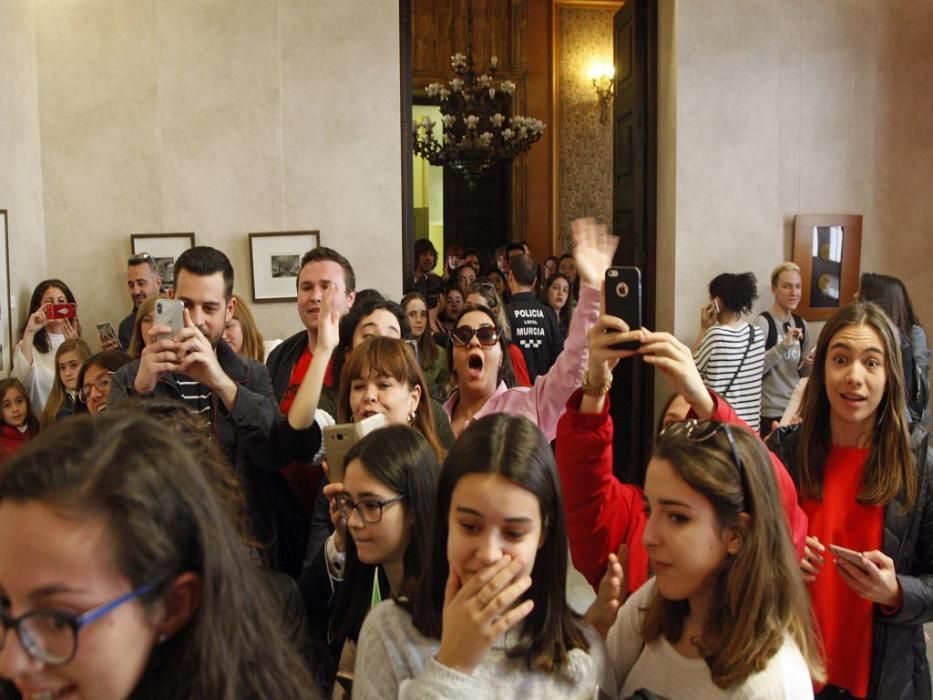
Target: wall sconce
[(601, 74)]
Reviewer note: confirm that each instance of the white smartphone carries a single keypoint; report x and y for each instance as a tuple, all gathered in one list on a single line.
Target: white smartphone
[(171, 313), (851, 556), (338, 439)]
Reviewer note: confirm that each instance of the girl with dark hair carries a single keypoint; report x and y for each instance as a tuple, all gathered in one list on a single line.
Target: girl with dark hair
[(63, 399), (145, 319), (387, 499), (431, 356), (556, 294), (18, 424), (479, 358), (489, 615), (95, 377), (567, 266), (126, 578), (729, 351), (864, 489), (34, 356), (501, 284)]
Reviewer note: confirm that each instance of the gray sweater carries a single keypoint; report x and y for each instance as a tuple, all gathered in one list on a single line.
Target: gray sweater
[(782, 369), (394, 660)]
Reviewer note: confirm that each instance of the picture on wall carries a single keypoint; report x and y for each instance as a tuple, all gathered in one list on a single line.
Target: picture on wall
[(164, 249), (827, 247), (275, 259), (6, 318)]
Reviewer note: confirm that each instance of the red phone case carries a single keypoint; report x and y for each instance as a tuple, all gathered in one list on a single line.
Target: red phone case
[(57, 312)]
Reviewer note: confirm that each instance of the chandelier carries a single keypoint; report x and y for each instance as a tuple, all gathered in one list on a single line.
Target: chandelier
[(474, 112)]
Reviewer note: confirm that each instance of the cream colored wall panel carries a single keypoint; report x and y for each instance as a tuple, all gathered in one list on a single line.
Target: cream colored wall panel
[(20, 154)]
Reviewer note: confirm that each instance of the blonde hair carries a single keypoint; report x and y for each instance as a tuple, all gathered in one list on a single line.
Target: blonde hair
[(137, 342), (783, 267), (59, 392), (252, 338), (758, 597)]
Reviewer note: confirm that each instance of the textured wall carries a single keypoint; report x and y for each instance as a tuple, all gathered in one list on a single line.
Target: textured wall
[(21, 174), (792, 107), (220, 117), (585, 145)]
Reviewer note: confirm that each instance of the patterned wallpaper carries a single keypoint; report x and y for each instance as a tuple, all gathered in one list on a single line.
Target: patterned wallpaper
[(585, 150)]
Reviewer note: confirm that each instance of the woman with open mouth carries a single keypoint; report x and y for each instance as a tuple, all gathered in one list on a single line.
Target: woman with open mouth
[(479, 358)]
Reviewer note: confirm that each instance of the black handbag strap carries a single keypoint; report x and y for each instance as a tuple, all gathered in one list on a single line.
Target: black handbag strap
[(751, 337)]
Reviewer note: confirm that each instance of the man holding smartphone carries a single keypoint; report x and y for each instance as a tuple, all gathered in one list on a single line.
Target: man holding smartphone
[(143, 281)]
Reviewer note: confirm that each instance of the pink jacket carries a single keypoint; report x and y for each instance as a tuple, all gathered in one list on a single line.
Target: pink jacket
[(543, 403)]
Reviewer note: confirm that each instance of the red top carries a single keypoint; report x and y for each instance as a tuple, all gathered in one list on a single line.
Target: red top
[(844, 618), (12, 439), (298, 374), (519, 367)]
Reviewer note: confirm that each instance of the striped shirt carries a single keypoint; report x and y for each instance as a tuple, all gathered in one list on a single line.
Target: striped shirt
[(197, 397), (720, 356)]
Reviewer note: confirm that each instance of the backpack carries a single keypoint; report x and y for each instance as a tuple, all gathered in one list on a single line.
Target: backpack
[(771, 340), (916, 383)]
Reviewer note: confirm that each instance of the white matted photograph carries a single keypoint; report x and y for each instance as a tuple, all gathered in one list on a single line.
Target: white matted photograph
[(274, 260), (164, 249)]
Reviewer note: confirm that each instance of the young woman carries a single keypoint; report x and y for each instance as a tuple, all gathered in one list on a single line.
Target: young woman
[(481, 294), (557, 296), (125, 571), (64, 396), (788, 342), (19, 425), (386, 500), (145, 319), (501, 284), (242, 334), (479, 359), (864, 489), (34, 356), (431, 356), (567, 266), (94, 379), (729, 351), (489, 616), (726, 614)]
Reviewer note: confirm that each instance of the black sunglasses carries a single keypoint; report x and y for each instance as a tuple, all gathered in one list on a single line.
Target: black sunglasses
[(463, 335)]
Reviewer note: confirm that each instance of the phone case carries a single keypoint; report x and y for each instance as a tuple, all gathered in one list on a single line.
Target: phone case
[(623, 299), (170, 312), (338, 439), (57, 312)]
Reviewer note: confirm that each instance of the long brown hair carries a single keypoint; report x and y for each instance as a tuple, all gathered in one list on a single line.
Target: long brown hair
[(428, 350), (252, 338), (164, 519), (889, 468), (757, 595), (137, 342), (59, 392), (389, 357)]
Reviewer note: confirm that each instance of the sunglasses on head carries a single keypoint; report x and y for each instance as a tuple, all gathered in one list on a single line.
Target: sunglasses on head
[(462, 335)]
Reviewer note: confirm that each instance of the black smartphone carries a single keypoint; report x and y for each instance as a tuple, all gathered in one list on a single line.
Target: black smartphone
[(623, 300)]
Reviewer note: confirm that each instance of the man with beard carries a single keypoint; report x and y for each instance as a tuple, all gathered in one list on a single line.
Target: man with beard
[(143, 281)]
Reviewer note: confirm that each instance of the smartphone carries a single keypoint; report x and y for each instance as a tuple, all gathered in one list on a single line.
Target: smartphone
[(57, 312), (413, 344), (338, 439), (716, 306), (850, 555), (106, 332), (171, 313), (623, 300)]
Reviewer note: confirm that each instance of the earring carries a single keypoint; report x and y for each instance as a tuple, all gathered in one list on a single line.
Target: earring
[(412, 416)]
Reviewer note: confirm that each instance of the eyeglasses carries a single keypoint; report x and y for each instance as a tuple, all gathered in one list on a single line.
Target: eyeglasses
[(369, 510), (139, 258), (51, 636), (701, 431), (102, 384), (486, 335)]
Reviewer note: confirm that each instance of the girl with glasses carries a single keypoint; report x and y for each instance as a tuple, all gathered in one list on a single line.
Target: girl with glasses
[(18, 424), (95, 377), (489, 615), (127, 577), (479, 358), (866, 490)]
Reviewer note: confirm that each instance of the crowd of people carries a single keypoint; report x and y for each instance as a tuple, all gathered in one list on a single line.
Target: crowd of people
[(195, 533)]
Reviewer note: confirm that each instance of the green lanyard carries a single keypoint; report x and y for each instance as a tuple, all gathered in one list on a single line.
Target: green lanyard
[(377, 593)]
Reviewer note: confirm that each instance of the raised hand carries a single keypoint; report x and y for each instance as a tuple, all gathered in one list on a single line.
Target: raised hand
[(675, 361), (593, 248), (606, 332), (478, 612), (603, 611), (158, 357), (328, 329)]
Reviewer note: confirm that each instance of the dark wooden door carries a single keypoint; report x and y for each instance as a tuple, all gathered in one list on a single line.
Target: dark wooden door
[(634, 194), (480, 217)]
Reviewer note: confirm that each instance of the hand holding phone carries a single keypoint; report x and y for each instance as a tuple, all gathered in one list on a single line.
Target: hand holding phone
[(171, 314), (108, 336), (338, 439), (850, 555)]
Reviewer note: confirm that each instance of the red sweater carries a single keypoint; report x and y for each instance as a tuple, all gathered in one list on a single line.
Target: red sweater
[(11, 440), (601, 512)]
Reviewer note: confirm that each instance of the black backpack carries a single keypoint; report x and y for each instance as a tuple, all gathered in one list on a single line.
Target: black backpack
[(916, 384), (771, 340)]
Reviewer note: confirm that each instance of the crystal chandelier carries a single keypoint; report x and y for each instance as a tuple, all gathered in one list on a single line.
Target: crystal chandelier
[(477, 129)]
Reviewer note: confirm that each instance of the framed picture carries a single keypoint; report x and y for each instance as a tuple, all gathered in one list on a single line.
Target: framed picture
[(164, 248), (6, 318), (274, 261), (827, 247)]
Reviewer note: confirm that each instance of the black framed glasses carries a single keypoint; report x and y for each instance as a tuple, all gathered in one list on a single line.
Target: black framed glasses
[(486, 335), (702, 431), (369, 509), (51, 636), (102, 384)]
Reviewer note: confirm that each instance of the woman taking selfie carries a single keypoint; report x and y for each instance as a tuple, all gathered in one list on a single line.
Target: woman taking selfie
[(125, 572), (865, 490), (34, 356)]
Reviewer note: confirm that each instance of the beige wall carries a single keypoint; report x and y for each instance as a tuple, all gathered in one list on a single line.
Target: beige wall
[(785, 107), (20, 153), (221, 117)]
